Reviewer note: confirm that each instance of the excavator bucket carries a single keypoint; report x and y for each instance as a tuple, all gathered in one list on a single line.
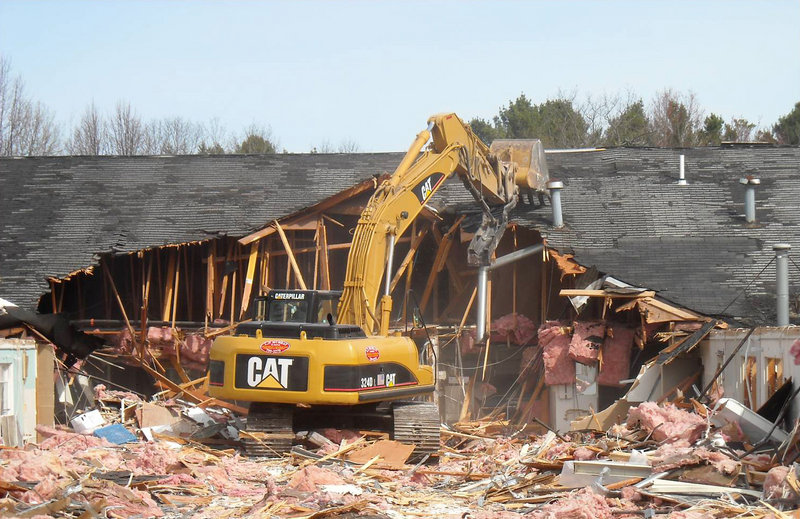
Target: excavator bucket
[(528, 154)]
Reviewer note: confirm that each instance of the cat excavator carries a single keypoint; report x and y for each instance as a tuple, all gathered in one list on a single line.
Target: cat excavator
[(313, 359)]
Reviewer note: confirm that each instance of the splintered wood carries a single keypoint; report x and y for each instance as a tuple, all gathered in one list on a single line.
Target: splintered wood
[(660, 461)]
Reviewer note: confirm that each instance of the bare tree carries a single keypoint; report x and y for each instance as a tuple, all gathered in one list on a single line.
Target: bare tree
[(26, 128), (212, 135), (676, 118), (348, 146), (179, 136), (125, 129), (89, 136)]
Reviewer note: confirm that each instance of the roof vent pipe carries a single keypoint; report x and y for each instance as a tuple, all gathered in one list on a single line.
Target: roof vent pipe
[(750, 184), (782, 281), (555, 187), (682, 172)]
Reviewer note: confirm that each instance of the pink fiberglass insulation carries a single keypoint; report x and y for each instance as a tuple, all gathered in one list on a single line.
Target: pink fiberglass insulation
[(32, 465), (514, 328), (690, 514), (307, 479), (122, 501), (68, 442), (101, 392), (794, 351), (558, 367), (587, 338), (616, 364), (584, 454), (775, 485), (667, 423), (583, 504), (153, 459)]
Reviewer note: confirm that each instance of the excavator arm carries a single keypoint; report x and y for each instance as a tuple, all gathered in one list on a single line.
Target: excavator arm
[(454, 148)]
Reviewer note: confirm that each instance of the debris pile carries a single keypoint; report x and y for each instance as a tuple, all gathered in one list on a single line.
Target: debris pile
[(179, 460)]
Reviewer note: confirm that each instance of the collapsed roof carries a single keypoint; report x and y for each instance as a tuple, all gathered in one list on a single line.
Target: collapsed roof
[(623, 209)]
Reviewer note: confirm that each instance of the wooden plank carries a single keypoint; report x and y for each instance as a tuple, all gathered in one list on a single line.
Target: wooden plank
[(210, 280), (175, 287), (416, 241), (119, 301), (325, 258), (439, 261), (190, 395), (248, 284), (169, 283), (223, 291), (329, 202), (572, 292), (145, 302), (291, 257)]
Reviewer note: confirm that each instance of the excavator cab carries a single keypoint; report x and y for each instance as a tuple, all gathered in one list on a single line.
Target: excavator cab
[(298, 306)]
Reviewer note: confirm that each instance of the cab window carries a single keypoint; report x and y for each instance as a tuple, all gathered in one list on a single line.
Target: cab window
[(327, 307), (288, 311)]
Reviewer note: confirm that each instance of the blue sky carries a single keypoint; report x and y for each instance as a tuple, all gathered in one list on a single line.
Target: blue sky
[(373, 71)]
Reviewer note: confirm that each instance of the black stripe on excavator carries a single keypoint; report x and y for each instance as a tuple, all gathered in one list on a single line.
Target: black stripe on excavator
[(367, 376), (424, 189), (216, 373), (271, 372)]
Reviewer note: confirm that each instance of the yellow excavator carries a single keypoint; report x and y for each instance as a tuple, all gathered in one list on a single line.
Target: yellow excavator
[(313, 359)]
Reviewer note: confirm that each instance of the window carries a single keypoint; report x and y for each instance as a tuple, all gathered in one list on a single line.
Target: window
[(750, 378), (6, 389), (774, 375), (288, 311)]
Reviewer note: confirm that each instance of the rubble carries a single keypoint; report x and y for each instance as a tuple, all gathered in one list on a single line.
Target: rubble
[(667, 461)]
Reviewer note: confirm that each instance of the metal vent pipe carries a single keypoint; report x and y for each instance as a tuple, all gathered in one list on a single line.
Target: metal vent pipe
[(682, 172), (555, 187), (782, 281), (750, 184), (483, 282)]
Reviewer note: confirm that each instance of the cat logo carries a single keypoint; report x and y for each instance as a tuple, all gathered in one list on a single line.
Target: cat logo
[(268, 372), (425, 189)]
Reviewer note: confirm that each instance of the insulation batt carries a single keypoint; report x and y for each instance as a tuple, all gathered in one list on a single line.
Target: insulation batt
[(794, 351), (558, 367), (616, 363), (775, 485), (583, 504), (667, 423), (587, 337), (514, 328), (307, 479)]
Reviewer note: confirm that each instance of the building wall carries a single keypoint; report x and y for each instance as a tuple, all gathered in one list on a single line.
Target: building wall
[(18, 361), (766, 354)]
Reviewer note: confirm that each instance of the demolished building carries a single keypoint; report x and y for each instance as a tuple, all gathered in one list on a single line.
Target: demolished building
[(652, 283), (168, 252)]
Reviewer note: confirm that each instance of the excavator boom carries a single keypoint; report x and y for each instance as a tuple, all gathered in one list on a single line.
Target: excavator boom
[(491, 176)]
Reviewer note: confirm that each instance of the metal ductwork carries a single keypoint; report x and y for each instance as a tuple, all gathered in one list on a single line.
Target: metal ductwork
[(750, 184), (782, 282), (682, 171), (483, 282), (555, 187)]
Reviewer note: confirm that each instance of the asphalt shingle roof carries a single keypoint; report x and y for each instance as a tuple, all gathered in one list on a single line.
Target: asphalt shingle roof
[(625, 213), (56, 213), (623, 209)]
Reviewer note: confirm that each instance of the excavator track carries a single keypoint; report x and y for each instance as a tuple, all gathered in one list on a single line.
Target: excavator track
[(417, 423), (269, 430)]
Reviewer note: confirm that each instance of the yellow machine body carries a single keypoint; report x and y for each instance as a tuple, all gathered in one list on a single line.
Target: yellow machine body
[(317, 371)]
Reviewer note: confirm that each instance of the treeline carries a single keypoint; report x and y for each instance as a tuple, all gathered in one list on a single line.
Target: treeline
[(670, 119), (28, 127)]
